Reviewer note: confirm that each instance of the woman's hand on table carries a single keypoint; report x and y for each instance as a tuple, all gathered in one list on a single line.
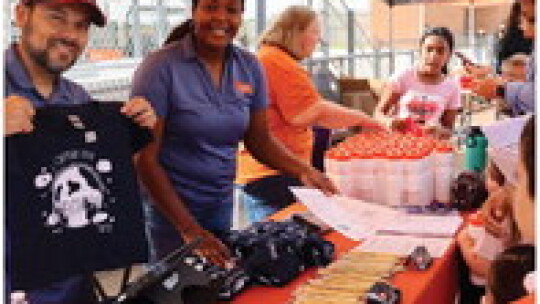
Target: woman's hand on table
[(313, 178), (211, 247)]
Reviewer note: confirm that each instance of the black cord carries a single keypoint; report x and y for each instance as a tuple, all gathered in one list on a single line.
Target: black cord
[(125, 279)]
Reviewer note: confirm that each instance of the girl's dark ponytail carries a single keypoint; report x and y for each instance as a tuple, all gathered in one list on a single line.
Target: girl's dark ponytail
[(445, 69)]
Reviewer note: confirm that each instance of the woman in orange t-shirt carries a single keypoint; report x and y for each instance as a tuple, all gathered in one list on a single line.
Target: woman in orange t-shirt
[(295, 107)]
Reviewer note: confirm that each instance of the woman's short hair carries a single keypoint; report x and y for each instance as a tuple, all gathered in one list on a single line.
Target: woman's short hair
[(285, 31)]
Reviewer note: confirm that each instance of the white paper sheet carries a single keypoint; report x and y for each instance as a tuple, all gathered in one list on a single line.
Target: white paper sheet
[(506, 159), (436, 246), (423, 225), (404, 245), (325, 208), (505, 132), (358, 220), (353, 218), (397, 244)]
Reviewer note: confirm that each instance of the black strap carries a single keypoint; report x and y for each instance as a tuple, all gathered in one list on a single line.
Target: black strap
[(99, 290), (158, 271), (125, 279)]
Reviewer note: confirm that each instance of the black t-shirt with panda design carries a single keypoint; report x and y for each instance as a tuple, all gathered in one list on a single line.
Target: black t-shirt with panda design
[(73, 201)]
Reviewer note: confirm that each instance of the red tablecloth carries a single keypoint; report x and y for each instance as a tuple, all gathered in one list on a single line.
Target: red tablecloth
[(438, 285)]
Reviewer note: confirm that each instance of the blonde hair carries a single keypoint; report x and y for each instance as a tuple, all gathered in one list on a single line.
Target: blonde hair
[(286, 29)]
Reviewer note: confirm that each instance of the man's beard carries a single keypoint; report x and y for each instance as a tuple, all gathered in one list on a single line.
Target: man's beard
[(41, 56)]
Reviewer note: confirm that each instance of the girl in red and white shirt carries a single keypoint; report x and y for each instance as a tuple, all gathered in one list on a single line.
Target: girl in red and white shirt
[(424, 95)]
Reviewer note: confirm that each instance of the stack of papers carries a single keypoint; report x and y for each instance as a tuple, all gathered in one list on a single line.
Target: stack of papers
[(383, 229), (357, 219), (423, 226), (353, 218), (404, 245)]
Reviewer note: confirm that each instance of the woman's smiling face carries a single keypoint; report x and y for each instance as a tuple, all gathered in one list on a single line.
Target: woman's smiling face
[(217, 22)]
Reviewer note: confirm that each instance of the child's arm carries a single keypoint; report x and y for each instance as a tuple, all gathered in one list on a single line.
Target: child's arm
[(388, 104), (478, 265)]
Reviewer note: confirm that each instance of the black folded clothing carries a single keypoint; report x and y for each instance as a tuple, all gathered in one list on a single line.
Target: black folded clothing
[(275, 263), (274, 253), (270, 253)]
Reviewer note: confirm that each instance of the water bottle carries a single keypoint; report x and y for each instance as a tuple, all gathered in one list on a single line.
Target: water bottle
[(444, 170), (476, 150)]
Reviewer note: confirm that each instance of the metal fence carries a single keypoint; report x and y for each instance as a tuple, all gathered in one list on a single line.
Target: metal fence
[(136, 27)]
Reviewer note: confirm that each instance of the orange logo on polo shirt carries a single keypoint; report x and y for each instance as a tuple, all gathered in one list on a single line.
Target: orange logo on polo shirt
[(243, 87)]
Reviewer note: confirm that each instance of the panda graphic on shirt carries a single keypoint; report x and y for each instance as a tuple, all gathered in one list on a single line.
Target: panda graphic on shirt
[(76, 186)]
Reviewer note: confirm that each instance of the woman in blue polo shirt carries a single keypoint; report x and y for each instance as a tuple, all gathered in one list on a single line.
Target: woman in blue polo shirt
[(210, 95)]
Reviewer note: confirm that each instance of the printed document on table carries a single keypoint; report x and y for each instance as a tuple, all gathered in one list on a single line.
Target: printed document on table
[(423, 225), (376, 214), (353, 218), (404, 244)]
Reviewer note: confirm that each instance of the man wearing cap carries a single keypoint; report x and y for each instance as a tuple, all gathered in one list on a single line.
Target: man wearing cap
[(54, 34)]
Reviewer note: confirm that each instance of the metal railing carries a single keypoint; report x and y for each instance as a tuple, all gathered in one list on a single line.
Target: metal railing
[(131, 34)]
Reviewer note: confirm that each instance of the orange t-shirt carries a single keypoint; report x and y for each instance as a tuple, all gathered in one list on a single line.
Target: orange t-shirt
[(530, 299), (291, 91)]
